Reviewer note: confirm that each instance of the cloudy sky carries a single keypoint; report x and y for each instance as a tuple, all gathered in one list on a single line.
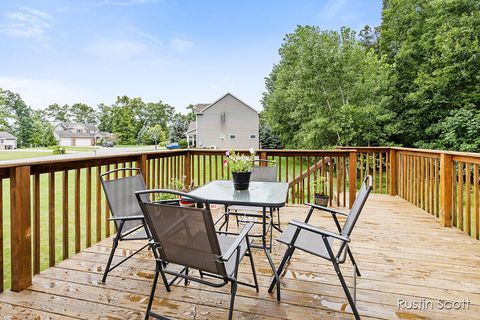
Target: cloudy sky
[(177, 51)]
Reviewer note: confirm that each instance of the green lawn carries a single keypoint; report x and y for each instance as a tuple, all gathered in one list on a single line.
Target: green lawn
[(58, 218), (13, 155)]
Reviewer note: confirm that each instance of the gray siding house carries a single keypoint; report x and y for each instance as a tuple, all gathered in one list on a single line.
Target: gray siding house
[(7, 141), (224, 124)]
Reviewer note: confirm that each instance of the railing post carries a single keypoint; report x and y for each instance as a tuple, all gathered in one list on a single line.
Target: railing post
[(21, 233), (393, 172), (446, 171), (263, 156), (186, 168), (142, 165), (352, 177)]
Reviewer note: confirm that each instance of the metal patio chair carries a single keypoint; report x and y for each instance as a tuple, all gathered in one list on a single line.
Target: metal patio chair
[(125, 211), (267, 173), (325, 244), (186, 236)]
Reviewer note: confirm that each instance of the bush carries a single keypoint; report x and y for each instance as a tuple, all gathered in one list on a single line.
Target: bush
[(183, 144), (58, 150)]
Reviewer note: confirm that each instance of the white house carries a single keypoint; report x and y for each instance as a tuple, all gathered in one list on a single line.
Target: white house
[(78, 134), (7, 141), (224, 124)]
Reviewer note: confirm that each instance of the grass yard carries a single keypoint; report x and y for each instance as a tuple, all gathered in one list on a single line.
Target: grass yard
[(14, 155), (58, 218)]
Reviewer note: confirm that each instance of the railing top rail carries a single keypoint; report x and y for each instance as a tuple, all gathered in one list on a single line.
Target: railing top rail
[(431, 152)]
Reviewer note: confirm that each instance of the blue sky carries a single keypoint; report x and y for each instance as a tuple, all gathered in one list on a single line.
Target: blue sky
[(180, 52)]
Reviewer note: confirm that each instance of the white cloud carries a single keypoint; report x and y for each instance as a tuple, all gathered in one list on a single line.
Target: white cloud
[(28, 23), (120, 49), (124, 2), (40, 93), (180, 44), (332, 8)]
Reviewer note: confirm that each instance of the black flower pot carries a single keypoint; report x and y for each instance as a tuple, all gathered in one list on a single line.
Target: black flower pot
[(241, 180), (321, 200)]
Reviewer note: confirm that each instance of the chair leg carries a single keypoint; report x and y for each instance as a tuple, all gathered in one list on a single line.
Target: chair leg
[(232, 298), (154, 286), (351, 301), (164, 278), (250, 255), (186, 273), (110, 259), (286, 257), (353, 262)]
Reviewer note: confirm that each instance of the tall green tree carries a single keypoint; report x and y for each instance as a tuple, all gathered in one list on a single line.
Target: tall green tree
[(83, 113), (20, 120), (320, 75), (57, 113), (433, 47)]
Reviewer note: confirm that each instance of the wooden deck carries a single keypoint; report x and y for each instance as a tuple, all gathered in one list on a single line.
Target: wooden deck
[(402, 252)]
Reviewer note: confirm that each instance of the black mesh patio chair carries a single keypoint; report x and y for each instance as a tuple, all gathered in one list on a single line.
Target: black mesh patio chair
[(261, 173), (328, 245), (125, 211), (186, 236)]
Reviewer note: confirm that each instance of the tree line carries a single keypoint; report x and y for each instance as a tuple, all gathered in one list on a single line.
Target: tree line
[(131, 120), (412, 81)]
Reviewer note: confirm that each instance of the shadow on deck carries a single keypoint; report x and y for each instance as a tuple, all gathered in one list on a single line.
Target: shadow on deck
[(403, 253)]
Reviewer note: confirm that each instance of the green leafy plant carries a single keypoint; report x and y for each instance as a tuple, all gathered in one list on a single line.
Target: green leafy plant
[(239, 163), (320, 186), (58, 150), (175, 184)]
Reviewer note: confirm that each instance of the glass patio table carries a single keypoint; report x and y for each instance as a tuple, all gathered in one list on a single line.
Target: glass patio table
[(269, 195)]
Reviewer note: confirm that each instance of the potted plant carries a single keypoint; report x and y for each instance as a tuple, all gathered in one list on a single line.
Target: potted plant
[(320, 188), (179, 185), (241, 168)]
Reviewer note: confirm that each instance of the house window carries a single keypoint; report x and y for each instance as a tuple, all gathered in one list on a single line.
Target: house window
[(2, 141), (222, 138), (253, 136), (232, 136)]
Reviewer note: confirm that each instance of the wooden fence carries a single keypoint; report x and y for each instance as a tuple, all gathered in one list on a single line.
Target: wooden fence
[(56, 208)]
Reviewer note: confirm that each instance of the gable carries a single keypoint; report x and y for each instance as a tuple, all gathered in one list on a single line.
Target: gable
[(229, 101)]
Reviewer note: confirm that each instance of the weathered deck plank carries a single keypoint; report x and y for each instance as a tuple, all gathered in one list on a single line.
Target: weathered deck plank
[(402, 252)]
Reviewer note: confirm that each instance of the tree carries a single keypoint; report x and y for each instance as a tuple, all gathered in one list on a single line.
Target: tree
[(20, 119), (321, 74), (83, 113), (57, 113), (368, 36), (153, 135), (178, 128), (433, 47), (268, 139)]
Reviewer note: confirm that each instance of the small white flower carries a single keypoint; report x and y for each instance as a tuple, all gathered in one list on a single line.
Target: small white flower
[(252, 151)]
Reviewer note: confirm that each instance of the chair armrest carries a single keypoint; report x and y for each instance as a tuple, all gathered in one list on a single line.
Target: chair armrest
[(126, 218), (316, 230), (242, 235), (326, 209)]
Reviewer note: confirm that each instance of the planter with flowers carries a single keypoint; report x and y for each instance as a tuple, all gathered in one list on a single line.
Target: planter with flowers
[(179, 185), (241, 167)]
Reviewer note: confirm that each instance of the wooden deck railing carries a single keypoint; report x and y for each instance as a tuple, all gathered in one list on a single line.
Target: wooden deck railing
[(56, 208)]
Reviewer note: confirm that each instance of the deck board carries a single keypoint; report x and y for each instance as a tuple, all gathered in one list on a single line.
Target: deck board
[(401, 250)]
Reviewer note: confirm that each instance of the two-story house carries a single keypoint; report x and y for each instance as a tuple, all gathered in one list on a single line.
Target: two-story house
[(7, 141), (224, 124), (79, 134)]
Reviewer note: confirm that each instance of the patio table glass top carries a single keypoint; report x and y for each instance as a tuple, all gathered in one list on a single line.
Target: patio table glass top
[(260, 194)]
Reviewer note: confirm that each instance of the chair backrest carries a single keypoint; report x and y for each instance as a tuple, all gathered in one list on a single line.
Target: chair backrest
[(267, 173), (357, 206), (185, 235), (120, 194)]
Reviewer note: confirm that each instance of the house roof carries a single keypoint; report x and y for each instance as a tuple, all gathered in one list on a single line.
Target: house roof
[(69, 125), (198, 108), (7, 136), (227, 94), (192, 126), (86, 135)]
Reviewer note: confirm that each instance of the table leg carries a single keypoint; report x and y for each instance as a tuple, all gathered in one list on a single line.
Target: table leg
[(267, 253)]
